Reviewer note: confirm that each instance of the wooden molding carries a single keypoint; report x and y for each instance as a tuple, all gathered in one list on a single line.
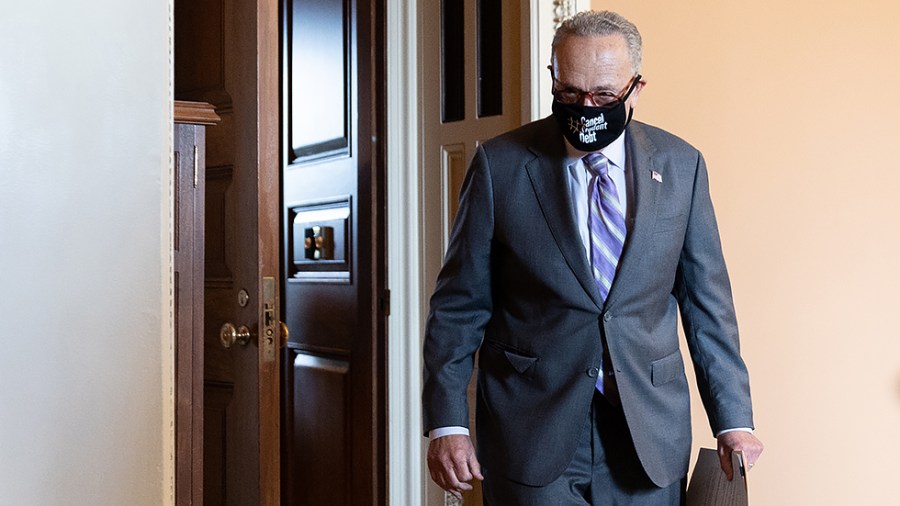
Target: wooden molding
[(197, 113), (407, 477)]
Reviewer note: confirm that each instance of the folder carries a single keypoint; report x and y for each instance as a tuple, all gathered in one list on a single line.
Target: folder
[(709, 486)]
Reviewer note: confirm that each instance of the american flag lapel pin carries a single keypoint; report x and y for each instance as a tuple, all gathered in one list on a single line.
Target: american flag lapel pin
[(656, 176)]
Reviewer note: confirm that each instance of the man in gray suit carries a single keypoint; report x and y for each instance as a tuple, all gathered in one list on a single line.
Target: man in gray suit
[(577, 240)]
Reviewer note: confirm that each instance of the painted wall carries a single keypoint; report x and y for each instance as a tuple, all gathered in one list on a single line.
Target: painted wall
[(795, 106), (84, 240)]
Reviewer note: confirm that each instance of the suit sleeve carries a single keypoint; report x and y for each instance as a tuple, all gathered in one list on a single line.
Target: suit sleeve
[(461, 305), (707, 311)]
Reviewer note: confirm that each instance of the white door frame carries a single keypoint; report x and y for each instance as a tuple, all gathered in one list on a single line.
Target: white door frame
[(407, 475)]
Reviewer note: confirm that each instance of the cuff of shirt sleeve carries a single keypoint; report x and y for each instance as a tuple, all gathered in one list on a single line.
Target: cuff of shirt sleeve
[(736, 429), (447, 431)]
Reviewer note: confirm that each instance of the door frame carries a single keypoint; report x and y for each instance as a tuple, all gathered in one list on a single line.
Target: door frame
[(406, 478)]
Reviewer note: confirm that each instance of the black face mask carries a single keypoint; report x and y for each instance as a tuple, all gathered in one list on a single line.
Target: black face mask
[(592, 128)]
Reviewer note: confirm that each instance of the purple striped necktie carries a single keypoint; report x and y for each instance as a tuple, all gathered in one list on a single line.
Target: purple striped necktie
[(607, 227)]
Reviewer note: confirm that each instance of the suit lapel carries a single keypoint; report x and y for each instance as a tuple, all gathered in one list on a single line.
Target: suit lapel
[(548, 176), (646, 190)]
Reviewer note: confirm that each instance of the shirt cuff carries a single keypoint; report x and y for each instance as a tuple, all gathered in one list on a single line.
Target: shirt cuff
[(448, 431), (736, 429)]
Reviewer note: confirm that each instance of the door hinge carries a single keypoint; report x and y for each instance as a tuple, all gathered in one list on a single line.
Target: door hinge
[(384, 303)]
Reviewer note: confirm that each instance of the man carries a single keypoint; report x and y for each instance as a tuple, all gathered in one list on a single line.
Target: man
[(578, 237)]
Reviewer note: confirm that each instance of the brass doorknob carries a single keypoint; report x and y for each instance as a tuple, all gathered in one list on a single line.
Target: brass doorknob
[(229, 334), (285, 333)]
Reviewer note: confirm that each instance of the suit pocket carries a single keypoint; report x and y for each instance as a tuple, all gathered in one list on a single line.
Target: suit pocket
[(666, 369), (519, 361)]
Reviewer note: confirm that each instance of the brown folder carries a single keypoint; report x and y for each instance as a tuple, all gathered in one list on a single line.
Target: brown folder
[(710, 487)]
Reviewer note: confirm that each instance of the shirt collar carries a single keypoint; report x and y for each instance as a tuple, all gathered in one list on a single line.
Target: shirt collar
[(614, 152)]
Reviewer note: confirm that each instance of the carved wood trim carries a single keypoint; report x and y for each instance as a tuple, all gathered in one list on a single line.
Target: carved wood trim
[(197, 113)]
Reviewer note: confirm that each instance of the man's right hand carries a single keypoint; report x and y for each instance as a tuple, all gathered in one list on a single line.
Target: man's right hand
[(452, 463)]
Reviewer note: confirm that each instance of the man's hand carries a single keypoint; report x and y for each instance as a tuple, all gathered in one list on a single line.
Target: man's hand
[(738, 440), (452, 462)]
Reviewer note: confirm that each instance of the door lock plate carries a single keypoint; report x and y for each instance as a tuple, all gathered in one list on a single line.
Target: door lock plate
[(269, 323)]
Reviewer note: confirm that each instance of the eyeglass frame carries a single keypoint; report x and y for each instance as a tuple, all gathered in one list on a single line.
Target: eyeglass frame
[(581, 94)]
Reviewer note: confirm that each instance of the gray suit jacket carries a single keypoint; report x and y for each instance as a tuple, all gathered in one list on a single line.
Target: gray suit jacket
[(517, 285)]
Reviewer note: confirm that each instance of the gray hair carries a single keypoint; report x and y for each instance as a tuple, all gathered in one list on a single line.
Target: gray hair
[(602, 23)]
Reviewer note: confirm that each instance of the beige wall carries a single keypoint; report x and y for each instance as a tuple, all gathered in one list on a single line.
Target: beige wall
[(796, 107), (84, 263)]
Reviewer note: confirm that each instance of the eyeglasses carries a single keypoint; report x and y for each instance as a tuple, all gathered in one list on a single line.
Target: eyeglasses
[(600, 98)]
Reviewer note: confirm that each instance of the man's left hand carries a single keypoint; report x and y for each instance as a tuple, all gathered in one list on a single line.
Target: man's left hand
[(738, 440)]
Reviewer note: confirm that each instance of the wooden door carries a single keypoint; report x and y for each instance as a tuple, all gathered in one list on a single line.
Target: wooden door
[(472, 91), (333, 255), (226, 53), (189, 191)]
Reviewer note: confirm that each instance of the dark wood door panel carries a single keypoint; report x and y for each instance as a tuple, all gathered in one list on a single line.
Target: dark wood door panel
[(321, 417), (216, 401), (332, 252), (320, 58), (327, 319)]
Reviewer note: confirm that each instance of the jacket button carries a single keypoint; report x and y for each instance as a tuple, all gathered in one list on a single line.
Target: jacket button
[(607, 317), (593, 372)]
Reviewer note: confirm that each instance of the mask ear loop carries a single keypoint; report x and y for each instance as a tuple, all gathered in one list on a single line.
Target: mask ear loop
[(637, 79)]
